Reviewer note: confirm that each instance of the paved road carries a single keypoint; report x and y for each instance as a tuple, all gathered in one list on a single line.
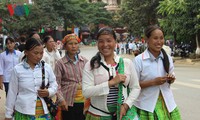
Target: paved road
[(186, 88)]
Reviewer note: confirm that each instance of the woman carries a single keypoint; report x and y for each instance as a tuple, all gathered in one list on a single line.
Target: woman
[(8, 59), (156, 73), (101, 79), (68, 72), (51, 54), (25, 98)]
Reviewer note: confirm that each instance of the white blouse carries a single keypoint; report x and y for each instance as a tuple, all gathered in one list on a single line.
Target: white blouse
[(23, 88), (95, 84), (148, 68)]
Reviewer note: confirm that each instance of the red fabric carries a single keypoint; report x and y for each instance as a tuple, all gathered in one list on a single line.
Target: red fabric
[(10, 9)]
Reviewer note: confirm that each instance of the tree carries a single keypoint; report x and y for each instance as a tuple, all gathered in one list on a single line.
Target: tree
[(137, 14), (182, 17)]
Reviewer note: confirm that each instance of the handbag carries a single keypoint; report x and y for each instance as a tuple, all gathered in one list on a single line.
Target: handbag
[(131, 114), (52, 107)]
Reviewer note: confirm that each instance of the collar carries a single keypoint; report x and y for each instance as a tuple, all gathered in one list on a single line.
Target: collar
[(148, 55), (116, 58), (27, 66), (7, 52), (66, 59)]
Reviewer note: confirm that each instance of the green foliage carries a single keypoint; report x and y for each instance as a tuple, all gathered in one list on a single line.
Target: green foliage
[(52, 13), (180, 17), (137, 14)]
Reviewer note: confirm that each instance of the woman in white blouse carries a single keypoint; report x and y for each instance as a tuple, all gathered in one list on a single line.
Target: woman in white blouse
[(51, 54), (101, 79), (25, 98), (156, 73)]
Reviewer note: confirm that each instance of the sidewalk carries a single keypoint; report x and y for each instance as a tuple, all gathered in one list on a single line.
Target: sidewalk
[(2, 104)]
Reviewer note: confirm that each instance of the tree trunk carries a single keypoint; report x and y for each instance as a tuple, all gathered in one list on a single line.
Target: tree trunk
[(198, 44)]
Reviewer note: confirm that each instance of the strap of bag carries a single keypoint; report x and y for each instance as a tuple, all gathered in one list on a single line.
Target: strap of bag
[(120, 87), (43, 75), (110, 77), (101, 110)]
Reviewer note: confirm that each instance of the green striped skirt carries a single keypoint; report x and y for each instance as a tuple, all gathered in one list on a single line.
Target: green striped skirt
[(20, 116), (39, 113), (160, 112)]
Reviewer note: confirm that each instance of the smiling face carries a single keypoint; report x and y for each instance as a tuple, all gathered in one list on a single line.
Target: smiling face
[(106, 45), (155, 42)]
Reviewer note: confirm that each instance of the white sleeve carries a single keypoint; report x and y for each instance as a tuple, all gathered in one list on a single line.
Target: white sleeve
[(89, 88), (133, 85), (12, 94)]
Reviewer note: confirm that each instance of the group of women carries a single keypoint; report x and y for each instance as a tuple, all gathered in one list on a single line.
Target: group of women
[(74, 79)]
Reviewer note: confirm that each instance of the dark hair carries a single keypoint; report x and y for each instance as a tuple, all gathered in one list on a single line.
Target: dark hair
[(106, 31), (9, 39), (47, 38), (22, 38), (31, 43), (97, 57), (150, 29)]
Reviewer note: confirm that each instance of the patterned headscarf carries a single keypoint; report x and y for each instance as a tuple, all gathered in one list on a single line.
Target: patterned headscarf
[(70, 37)]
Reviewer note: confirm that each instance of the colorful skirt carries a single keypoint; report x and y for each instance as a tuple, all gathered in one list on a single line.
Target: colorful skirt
[(91, 116), (160, 112), (39, 113)]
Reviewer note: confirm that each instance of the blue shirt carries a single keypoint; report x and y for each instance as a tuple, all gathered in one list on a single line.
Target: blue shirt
[(7, 62)]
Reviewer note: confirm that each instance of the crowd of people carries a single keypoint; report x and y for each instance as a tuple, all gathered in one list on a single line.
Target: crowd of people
[(88, 89)]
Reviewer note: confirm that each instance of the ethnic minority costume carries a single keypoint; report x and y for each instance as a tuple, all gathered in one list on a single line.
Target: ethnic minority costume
[(23, 102), (70, 84), (155, 102), (103, 98)]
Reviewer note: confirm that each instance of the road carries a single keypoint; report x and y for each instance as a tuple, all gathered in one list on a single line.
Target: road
[(186, 87)]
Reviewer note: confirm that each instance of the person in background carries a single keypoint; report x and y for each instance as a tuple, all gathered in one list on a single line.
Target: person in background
[(8, 59), (51, 54), (155, 70), (25, 96), (101, 79), (31, 35), (22, 39), (68, 71)]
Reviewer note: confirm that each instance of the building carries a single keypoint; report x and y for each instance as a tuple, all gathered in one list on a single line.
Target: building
[(113, 5)]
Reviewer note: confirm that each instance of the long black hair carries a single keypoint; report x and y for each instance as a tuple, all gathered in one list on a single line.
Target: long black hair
[(31, 43), (97, 57)]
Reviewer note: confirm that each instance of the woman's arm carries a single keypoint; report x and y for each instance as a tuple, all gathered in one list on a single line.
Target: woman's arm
[(12, 94)]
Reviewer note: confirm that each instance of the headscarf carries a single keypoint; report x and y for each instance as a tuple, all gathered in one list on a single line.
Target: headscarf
[(69, 37)]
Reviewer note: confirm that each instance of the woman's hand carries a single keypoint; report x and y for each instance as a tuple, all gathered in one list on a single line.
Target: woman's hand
[(123, 109), (160, 80), (117, 79), (63, 105), (43, 92), (171, 78)]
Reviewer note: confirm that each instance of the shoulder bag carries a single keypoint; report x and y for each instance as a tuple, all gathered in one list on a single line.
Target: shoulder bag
[(52, 107), (131, 114)]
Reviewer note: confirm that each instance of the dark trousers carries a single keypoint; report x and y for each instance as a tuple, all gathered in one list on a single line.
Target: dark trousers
[(74, 113), (6, 85)]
